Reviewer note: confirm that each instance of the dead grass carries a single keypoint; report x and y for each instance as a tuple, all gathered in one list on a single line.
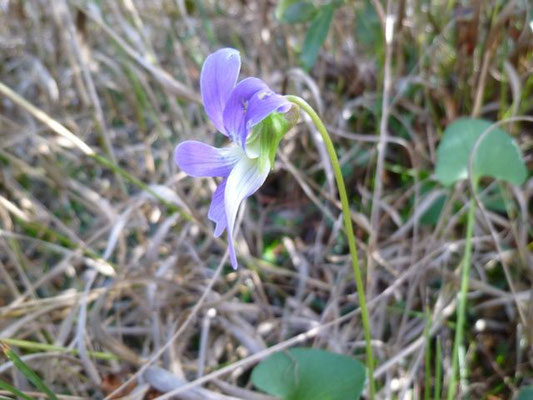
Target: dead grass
[(122, 279)]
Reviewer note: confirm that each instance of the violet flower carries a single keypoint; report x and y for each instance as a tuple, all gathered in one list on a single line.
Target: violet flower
[(254, 118)]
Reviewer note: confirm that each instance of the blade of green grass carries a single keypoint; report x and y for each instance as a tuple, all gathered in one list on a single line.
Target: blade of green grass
[(14, 390), (438, 370), (27, 344), (27, 371), (427, 335), (461, 308)]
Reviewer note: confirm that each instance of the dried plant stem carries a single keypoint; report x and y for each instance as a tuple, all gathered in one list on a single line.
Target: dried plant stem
[(349, 232), (473, 182), (163, 77), (381, 150), (461, 309)]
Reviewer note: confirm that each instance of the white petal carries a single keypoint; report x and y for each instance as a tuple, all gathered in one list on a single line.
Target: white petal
[(243, 181)]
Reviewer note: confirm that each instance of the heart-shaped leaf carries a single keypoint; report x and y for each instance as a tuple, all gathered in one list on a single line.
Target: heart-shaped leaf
[(526, 393), (498, 155), (310, 374)]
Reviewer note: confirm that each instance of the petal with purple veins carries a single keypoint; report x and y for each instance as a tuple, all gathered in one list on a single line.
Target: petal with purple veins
[(244, 180), (200, 160), (217, 79), (236, 111)]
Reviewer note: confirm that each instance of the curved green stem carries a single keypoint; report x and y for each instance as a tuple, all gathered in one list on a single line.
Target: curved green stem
[(349, 232), (461, 308)]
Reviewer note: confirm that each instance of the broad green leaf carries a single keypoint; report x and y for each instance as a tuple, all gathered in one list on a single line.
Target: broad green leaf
[(493, 199), (316, 35), (310, 374), (301, 11), (368, 30), (432, 214), (526, 393), (498, 155)]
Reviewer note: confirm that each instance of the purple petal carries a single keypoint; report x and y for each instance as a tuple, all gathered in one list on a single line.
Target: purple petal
[(242, 182), (199, 159), (217, 79), (237, 105), (217, 211)]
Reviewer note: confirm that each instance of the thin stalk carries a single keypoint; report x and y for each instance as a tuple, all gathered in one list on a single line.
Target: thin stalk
[(427, 376), (461, 309), (35, 346), (438, 370), (349, 233)]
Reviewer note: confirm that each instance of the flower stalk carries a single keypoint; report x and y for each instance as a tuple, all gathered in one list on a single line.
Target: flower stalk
[(461, 308), (349, 233)]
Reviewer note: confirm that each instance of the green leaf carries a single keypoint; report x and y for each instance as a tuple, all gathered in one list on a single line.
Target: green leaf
[(498, 155), (299, 11), (493, 199), (316, 35), (368, 30), (310, 374), (432, 214), (526, 393)]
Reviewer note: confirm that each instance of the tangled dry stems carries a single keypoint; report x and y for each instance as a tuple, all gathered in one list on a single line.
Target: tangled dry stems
[(92, 263)]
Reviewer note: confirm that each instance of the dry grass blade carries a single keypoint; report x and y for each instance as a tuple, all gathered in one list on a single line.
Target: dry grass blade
[(163, 77), (111, 282)]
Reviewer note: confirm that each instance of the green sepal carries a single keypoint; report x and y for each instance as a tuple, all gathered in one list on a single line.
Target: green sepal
[(267, 135)]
